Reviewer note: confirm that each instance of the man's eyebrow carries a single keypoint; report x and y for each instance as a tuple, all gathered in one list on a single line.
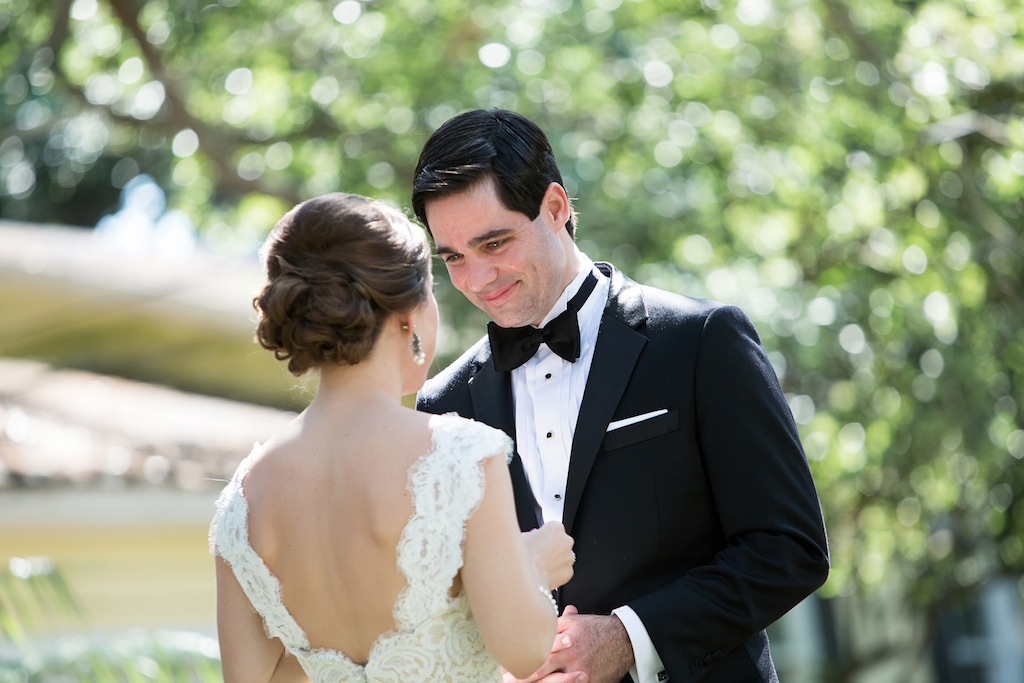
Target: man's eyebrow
[(484, 238)]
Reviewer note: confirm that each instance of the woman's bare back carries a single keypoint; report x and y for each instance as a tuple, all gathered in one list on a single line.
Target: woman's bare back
[(327, 507), (364, 564)]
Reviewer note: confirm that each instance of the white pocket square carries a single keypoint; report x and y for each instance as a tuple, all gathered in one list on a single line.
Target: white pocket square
[(618, 424)]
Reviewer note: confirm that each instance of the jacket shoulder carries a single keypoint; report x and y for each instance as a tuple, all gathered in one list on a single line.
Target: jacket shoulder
[(643, 306), (449, 387), (668, 309), (697, 321)]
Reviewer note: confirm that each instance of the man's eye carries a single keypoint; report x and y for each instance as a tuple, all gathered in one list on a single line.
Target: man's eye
[(495, 244), (451, 258)]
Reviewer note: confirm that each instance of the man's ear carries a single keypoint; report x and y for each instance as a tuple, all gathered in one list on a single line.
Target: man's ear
[(555, 206)]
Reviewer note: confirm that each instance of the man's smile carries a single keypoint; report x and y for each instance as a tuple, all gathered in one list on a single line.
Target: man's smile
[(496, 297)]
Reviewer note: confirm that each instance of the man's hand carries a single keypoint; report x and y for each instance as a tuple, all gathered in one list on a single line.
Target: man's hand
[(588, 648)]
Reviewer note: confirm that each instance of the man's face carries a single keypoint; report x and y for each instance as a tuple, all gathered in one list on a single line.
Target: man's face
[(511, 268)]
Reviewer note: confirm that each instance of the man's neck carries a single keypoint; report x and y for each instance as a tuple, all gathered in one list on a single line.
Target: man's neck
[(575, 278)]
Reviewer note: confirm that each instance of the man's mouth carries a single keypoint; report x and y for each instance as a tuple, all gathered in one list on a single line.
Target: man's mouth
[(496, 297)]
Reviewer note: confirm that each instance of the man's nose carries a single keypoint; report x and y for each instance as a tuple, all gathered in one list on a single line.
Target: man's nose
[(479, 275)]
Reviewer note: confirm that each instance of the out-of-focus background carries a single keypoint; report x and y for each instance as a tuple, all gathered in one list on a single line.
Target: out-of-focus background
[(848, 172)]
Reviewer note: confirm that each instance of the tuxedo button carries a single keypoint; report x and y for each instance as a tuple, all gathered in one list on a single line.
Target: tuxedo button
[(717, 655), (707, 661)]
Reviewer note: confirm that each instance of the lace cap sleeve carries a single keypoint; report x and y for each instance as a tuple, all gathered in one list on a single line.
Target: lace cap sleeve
[(481, 441), (447, 486), (225, 534), (229, 539)]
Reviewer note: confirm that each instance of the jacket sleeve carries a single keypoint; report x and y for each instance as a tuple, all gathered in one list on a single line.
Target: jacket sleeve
[(775, 551)]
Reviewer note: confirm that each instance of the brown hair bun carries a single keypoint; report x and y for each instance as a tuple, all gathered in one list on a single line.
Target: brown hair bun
[(337, 266)]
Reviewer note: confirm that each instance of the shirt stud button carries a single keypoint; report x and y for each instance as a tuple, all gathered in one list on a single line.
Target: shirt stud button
[(548, 435), (558, 496), (547, 376)]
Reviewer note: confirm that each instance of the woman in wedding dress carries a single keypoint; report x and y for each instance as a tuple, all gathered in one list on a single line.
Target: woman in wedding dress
[(367, 541)]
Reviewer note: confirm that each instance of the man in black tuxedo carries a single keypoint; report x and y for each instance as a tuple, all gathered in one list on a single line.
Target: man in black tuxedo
[(650, 424)]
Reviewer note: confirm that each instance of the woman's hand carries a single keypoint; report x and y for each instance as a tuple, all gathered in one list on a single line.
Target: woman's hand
[(550, 548)]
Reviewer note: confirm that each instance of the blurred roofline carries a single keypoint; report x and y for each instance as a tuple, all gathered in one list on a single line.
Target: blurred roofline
[(220, 287)]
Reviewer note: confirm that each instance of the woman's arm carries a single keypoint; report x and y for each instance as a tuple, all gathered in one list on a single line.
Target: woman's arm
[(247, 654), (503, 581)]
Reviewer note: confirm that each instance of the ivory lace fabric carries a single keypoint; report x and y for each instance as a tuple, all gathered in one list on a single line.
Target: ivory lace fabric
[(436, 638)]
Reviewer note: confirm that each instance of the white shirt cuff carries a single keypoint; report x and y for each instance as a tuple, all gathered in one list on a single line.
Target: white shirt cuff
[(647, 667)]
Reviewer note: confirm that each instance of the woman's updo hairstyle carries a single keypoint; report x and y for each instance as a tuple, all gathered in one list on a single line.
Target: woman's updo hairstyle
[(337, 267)]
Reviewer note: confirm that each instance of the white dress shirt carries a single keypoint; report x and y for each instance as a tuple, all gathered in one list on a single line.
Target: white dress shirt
[(547, 392)]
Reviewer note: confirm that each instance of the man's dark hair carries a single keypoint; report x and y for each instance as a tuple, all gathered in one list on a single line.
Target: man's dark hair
[(481, 144)]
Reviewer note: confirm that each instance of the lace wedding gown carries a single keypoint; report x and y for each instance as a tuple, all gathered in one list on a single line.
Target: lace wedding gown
[(436, 638)]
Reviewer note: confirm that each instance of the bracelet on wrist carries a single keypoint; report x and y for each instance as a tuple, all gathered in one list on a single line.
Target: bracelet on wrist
[(547, 594)]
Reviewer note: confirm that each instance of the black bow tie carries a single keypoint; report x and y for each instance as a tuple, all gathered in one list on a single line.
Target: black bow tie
[(513, 346)]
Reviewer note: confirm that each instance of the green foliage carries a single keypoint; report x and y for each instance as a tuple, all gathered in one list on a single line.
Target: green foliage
[(127, 658), (32, 590), (850, 173)]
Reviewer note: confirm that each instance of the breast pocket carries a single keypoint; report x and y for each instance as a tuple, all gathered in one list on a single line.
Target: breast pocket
[(642, 430)]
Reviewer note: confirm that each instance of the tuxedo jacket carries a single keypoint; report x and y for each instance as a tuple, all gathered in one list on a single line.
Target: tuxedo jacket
[(704, 519)]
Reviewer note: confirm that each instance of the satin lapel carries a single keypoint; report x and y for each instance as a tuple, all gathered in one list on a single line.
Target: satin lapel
[(491, 392), (615, 355)]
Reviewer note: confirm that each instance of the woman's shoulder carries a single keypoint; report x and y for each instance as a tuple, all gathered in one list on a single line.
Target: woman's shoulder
[(469, 437), (453, 422), (230, 511)]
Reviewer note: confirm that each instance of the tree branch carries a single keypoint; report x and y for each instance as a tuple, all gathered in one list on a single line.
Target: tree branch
[(218, 144), (978, 207), (839, 17), (59, 34)]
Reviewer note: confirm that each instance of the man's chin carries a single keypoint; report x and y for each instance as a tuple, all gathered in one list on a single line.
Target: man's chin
[(505, 320)]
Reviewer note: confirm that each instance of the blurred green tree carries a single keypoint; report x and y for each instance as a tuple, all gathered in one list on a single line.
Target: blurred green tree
[(850, 173), (32, 589)]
